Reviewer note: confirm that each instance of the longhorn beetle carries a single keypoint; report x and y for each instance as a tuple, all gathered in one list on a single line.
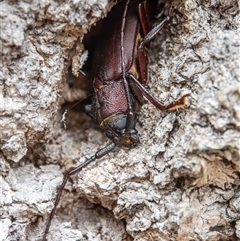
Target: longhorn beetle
[(120, 73)]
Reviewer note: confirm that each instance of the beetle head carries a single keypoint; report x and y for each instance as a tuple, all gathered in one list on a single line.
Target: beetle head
[(115, 128)]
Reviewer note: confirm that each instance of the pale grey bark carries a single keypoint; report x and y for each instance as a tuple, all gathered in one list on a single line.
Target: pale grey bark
[(180, 183)]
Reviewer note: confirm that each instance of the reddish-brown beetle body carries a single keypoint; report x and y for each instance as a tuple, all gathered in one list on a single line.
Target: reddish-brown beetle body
[(120, 73), (110, 105), (120, 70)]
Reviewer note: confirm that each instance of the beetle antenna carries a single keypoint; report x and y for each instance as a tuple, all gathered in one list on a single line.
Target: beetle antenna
[(102, 152), (130, 115), (78, 102)]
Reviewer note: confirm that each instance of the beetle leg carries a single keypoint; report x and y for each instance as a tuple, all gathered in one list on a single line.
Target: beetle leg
[(148, 37), (142, 62), (143, 12), (172, 106), (154, 31), (102, 152), (130, 114), (142, 57)]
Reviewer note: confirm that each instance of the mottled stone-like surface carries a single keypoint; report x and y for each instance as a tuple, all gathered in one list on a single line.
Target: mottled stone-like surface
[(180, 183)]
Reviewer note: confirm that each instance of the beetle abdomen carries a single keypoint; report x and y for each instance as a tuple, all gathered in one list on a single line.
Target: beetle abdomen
[(107, 62)]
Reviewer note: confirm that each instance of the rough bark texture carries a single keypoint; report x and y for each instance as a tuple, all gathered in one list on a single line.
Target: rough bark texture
[(180, 183)]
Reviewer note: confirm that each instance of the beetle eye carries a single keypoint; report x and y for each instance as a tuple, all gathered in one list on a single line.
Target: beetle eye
[(109, 134), (121, 123)]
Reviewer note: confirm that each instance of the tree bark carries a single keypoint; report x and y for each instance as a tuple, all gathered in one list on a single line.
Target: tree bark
[(180, 183)]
